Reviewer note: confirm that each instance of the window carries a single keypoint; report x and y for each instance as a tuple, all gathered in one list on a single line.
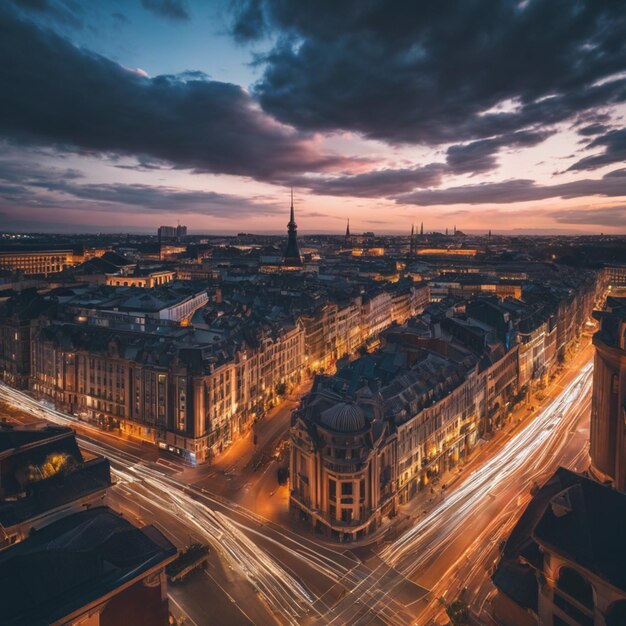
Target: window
[(332, 488), (346, 489)]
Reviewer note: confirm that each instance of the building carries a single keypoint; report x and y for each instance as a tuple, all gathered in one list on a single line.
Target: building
[(563, 563), (292, 258), (91, 568), (41, 262), (18, 317), (615, 276), (368, 438), (172, 232), (43, 474), (135, 308), (191, 391), (608, 409), (141, 277)]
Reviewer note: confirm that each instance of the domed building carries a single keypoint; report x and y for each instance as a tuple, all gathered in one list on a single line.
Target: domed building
[(340, 465), (367, 439)]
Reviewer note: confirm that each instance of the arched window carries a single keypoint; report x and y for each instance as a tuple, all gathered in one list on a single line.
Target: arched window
[(575, 586), (616, 615), (574, 596)]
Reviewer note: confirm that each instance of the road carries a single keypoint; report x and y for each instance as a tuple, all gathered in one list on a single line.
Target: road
[(259, 559), (263, 573), (457, 542)]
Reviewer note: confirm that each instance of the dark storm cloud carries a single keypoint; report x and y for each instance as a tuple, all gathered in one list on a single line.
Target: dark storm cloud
[(593, 129), (170, 9), (475, 157), (603, 216), (432, 72), (480, 156), (519, 190), (56, 94), (377, 183), (614, 144)]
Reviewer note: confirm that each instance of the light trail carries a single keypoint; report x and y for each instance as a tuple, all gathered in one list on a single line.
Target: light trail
[(281, 591), (235, 532), (424, 539)]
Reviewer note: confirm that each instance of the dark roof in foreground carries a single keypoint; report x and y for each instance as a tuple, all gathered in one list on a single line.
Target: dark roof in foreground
[(73, 562), (575, 517), (585, 522)]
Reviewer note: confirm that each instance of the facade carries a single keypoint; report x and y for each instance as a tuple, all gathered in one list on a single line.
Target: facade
[(189, 391), (37, 261), (376, 313), (141, 278), (615, 276), (367, 438), (608, 409), (18, 317)]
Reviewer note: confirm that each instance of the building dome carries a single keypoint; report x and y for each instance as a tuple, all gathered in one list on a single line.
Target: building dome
[(344, 418)]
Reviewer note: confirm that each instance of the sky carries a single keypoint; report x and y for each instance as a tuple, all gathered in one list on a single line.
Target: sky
[(123, 115)]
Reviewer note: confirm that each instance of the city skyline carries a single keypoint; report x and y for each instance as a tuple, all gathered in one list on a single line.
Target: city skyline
[(122, 116)]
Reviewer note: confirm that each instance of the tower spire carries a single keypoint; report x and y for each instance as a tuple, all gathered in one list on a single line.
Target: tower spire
[(292, 252)]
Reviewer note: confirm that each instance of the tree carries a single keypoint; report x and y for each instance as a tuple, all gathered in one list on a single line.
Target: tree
[(458, 612)]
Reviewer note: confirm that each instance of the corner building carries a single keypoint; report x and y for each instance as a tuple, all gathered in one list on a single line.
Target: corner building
[(367, 439)]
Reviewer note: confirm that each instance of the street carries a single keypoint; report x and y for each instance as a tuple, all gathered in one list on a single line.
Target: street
[(263, 573)]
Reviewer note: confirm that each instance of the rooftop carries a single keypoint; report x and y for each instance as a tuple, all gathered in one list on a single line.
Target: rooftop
[(73, 562)]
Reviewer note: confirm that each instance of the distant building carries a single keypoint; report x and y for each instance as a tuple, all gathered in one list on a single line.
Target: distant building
[(563, 563), (91, 568), (37, 261), (172, 232), (347, 242), (616, 276), (292, 257), (141, 277), (608, 412), (43, 474)]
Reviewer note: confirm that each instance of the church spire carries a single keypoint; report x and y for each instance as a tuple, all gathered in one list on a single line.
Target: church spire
[(292, 252)]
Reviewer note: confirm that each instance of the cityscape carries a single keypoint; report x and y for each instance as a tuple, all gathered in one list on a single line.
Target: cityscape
[(312, 314)]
